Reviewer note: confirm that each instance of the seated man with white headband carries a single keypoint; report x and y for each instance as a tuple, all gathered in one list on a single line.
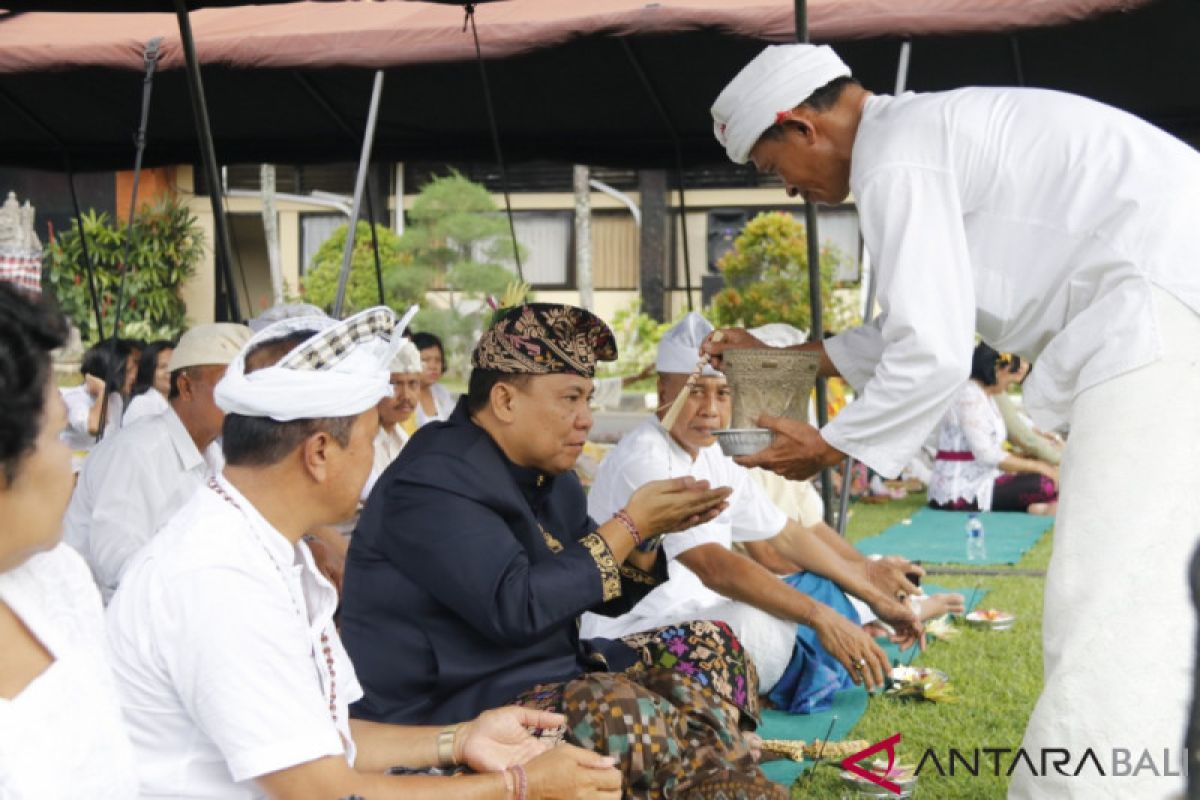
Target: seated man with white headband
[(804, 635), (397, 408), (475, 557), (232, 676)]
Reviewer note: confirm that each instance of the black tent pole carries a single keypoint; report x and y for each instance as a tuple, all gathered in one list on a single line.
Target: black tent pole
[(88, 267), (374, 242), (364, 163), (816, 331), (495, 129), (150, 59), (652, 93), (208, 154)]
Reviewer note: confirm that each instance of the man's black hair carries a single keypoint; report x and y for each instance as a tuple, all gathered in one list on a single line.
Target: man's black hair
[(262, 441), (480, 383), (822, 99)]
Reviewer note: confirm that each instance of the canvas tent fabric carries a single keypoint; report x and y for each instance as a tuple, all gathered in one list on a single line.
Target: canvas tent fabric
[(563, 74)]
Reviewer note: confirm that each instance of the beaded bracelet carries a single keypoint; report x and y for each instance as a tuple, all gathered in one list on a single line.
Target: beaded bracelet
[(623, 517)]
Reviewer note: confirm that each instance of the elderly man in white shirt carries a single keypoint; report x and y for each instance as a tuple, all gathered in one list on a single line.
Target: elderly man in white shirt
[(134, 480), (1059, 229), (232, 675), (397, 408), (709, 580)]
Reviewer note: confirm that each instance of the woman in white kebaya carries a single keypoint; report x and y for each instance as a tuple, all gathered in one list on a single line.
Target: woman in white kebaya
[(972, 471), (436, 400), (61, 733)]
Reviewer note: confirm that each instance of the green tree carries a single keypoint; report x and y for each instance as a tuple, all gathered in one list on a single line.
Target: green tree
[(404, 282), (456, 241), (637, 335), (766, 275), (167, 245), (456, 230)]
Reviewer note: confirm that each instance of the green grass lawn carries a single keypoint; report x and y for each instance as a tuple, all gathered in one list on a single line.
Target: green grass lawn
[(996, 675)]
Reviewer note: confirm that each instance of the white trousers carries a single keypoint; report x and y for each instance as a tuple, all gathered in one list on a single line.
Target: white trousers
[(1119, 624)]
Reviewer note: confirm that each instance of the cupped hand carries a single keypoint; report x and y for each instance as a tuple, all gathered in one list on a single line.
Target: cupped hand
[(900, 616), (676, 504), (853, 648), (571, 773), (499, 738), (797, 452)]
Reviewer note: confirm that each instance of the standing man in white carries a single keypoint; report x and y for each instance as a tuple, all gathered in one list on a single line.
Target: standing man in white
[(1062, 230)]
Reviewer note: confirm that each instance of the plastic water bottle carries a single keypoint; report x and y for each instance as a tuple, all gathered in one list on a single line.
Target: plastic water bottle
[(976, 542)]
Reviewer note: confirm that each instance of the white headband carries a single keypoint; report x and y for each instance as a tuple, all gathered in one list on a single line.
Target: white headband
[(407, 358), (679, 348), (780, 78), (340, 371)]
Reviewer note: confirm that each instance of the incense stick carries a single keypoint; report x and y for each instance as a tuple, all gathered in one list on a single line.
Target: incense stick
[(676, 408), (821, 751)]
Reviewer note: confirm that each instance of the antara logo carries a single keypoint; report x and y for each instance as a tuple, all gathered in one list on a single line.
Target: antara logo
[(852, 764)]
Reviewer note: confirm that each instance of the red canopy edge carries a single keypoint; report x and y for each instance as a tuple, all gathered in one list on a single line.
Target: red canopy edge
[(389, 34)]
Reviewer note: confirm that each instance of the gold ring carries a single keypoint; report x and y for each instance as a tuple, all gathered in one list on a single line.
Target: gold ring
[(861, 664)]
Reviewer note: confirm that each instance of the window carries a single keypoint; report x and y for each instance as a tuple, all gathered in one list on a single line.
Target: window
[(314, 230), (547, 243)]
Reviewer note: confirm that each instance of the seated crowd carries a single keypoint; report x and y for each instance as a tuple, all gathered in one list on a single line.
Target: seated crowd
[(325, 578)]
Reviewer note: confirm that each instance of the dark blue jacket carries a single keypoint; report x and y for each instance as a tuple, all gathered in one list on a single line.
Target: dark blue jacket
[(466, 578)]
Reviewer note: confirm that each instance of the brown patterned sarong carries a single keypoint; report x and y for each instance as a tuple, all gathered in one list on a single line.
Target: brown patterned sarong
[(672, 721), (709, 651)]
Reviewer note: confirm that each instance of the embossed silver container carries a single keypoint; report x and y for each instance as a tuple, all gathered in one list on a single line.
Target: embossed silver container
[(776, 382)]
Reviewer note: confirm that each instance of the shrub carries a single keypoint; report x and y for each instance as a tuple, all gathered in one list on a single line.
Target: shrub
[(167, 245), (766, 275)]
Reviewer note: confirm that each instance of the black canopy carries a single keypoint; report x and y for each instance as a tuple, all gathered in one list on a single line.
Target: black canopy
[(569, 92)]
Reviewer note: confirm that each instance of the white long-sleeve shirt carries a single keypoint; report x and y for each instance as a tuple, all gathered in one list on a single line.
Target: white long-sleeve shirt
[(1040, 220), (130, 485)]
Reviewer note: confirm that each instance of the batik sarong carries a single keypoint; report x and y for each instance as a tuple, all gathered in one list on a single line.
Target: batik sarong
[(674, 721)]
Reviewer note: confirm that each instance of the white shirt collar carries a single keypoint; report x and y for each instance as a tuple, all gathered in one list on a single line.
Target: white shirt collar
[(185, 447)]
